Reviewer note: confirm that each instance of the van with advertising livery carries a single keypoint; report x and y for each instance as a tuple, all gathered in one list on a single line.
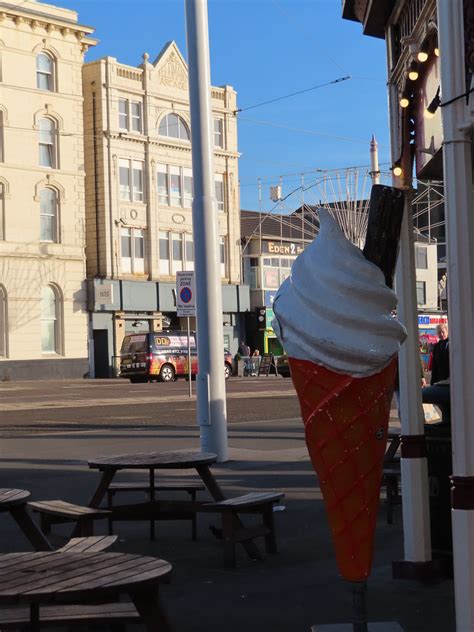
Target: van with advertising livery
[(161, 356)]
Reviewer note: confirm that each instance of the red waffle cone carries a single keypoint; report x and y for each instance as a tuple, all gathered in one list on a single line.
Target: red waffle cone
[(346, 422)]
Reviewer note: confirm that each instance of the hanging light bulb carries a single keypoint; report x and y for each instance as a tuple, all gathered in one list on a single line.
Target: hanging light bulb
[(436, 51), (405, 99), (396, 169), (422, 56), (413, 73)]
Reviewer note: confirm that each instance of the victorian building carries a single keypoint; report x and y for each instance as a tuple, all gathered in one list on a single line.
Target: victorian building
[(139, 195), (43, 303)]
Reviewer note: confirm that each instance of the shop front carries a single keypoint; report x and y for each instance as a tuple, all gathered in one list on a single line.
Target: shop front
[(119, 307)]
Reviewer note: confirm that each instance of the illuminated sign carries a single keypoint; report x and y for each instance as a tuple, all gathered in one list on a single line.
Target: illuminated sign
[(275, 248)]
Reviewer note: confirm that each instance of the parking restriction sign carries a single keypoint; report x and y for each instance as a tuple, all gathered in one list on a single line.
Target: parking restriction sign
[(185, 294)]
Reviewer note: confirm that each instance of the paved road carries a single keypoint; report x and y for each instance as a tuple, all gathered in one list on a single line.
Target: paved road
[(106, 404)]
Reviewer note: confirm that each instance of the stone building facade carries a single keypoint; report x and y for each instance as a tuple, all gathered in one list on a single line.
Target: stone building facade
[(139, 192), (43, 308)]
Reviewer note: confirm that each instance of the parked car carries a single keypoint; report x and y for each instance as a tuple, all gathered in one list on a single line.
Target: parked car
[(283, 365), (162, 356)]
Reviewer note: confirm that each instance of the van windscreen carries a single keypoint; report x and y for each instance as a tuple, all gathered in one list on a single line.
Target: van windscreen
[(134, 344)]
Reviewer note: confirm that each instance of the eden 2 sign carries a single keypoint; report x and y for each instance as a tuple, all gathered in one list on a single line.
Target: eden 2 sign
[(274, 248)]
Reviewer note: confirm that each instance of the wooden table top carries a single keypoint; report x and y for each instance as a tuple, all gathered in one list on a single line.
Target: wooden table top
[(11, 497), (55, 576), (153, 460)]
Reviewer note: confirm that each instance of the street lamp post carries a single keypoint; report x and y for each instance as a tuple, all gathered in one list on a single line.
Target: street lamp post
[(210, 383)]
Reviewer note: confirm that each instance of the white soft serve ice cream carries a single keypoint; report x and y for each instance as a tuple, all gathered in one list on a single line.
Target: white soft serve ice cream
[(335, 309)]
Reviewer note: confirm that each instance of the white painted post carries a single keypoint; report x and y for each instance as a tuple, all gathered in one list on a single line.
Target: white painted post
[(458, 182), (210, 383), (415, 492), (414, 471)]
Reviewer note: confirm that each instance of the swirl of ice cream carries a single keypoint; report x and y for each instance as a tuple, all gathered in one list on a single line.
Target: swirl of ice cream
[(335, 309)]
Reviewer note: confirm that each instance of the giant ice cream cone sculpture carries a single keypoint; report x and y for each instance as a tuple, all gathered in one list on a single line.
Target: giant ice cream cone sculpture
[(334, 319)]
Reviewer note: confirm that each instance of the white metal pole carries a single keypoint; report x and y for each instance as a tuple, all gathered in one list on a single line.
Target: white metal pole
[(190, 368), (414, 471), (211, 396), (459, 205)]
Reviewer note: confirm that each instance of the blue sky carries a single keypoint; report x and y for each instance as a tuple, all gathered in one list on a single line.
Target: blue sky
[(266, 49)]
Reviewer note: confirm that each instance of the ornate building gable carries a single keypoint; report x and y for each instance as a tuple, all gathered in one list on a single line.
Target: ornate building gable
[(171, 69)]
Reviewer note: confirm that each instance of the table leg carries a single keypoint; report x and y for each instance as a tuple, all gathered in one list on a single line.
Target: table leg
[(210, 482), (151, 613), (217, 493), (30, 528), (98, 495)]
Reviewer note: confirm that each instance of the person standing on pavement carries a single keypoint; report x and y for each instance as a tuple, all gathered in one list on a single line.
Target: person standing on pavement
[(244, 349), (255, 362), (439, 393), (440, 360)]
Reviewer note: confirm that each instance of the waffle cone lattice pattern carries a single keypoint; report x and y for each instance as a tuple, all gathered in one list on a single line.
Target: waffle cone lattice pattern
[(346, 423)]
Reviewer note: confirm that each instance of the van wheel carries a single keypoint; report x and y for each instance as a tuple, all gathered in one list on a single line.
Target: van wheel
[(227, 371), (167, 373)]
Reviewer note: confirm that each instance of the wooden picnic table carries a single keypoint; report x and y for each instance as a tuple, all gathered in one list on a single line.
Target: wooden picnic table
[(14, 501), (34, 579), (158, 509), (151, 461)]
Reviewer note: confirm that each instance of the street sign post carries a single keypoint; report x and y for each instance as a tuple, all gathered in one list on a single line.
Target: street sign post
[(186, 306), (185, 294)]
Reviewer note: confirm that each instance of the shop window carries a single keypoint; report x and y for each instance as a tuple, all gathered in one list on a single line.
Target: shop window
[(254, 273)]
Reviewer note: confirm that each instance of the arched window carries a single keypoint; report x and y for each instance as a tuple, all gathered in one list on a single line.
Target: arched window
[(3, 323), (47, 143), (50, 320), (173, 126), (48, 215), (44, 72)]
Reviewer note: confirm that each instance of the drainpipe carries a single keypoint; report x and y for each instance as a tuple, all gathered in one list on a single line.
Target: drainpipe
[(111, 221)]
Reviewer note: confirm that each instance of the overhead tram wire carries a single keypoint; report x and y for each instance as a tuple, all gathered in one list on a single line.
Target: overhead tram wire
[(293, 94)]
